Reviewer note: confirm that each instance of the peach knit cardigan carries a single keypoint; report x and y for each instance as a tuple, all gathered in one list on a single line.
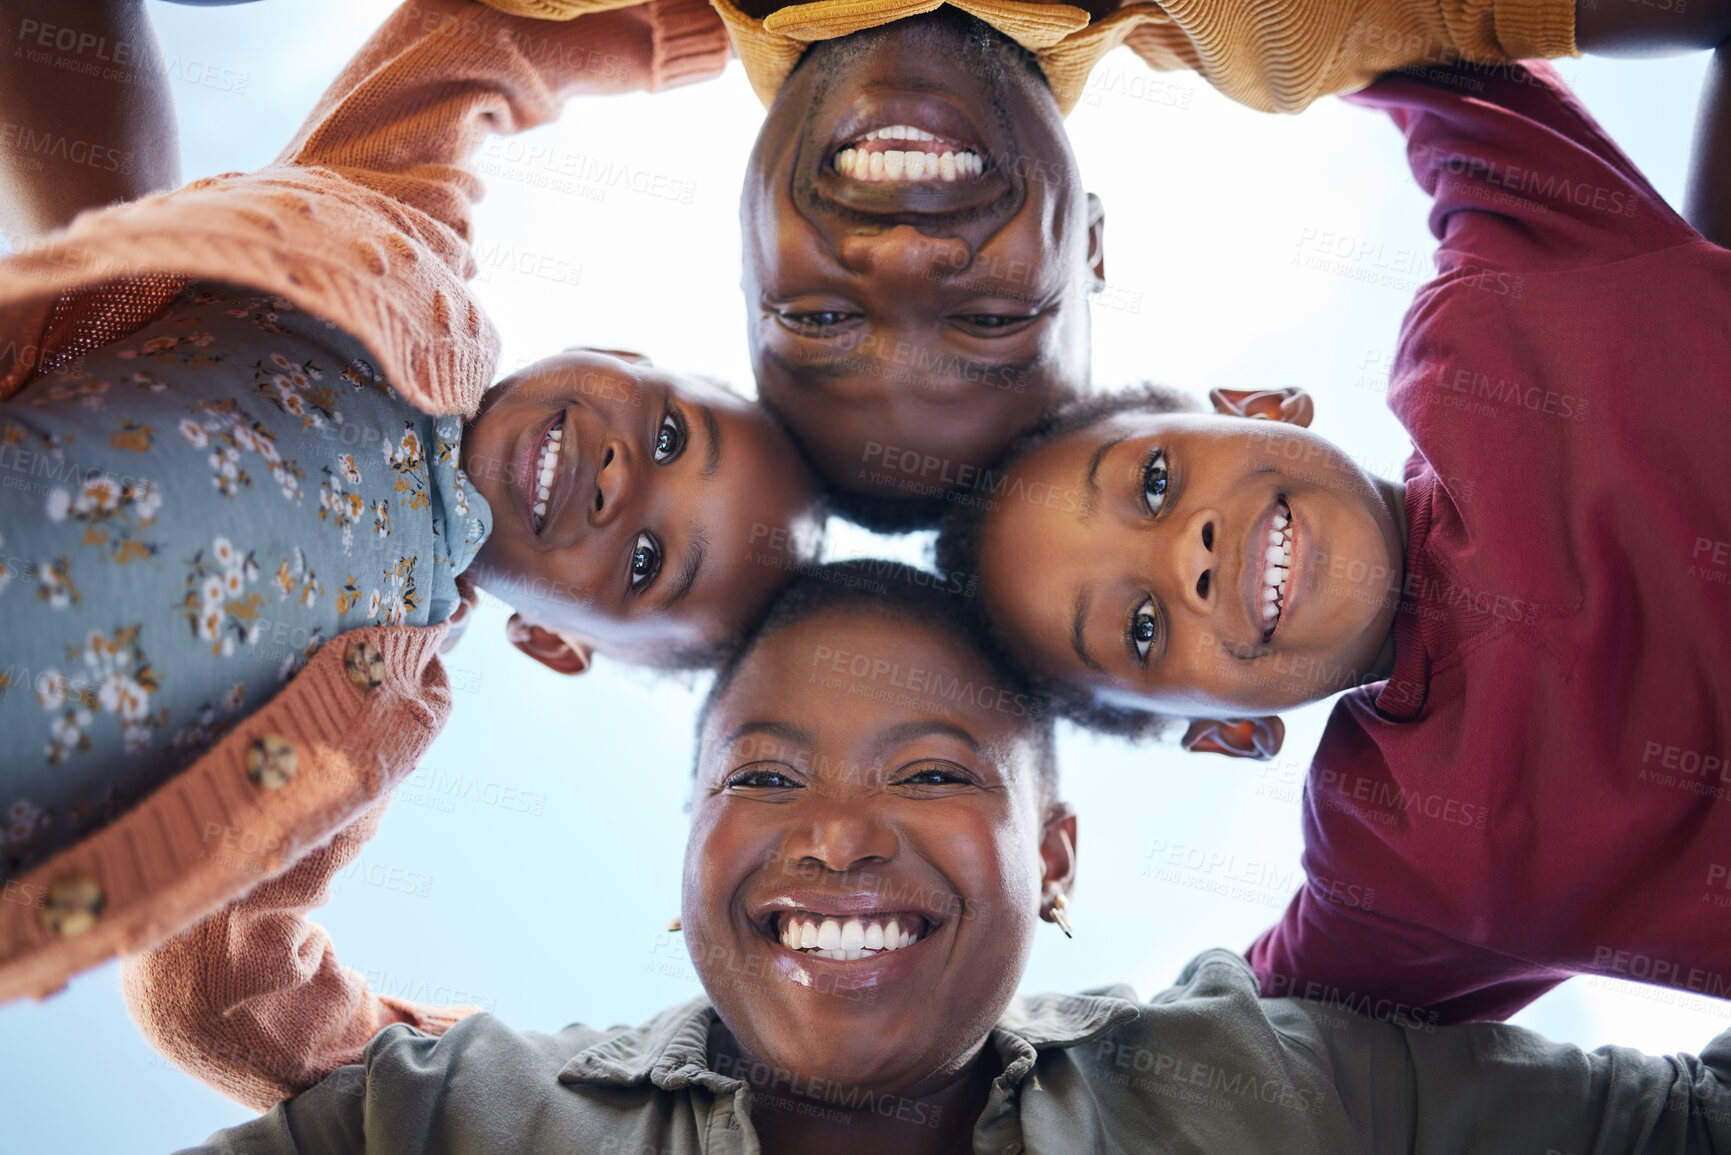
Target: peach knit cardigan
[(363, 219)]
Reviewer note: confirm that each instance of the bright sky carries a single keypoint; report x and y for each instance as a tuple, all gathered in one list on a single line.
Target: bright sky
[(532, 862)]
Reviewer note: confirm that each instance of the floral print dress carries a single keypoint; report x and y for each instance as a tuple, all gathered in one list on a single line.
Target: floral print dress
[(186, 515)]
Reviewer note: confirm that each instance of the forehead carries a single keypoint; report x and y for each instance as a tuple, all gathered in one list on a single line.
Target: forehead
[(845, 675)]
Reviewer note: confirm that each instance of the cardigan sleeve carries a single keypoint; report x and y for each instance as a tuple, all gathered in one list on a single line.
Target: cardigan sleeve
[(408, 113), (1282, 55), (252, 1000)]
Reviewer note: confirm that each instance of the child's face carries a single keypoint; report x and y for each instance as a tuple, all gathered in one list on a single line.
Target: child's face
[(907, 328), (633, 507), (1194, 565), (840, 776)]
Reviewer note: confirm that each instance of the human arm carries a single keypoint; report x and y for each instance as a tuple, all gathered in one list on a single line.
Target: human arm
[(1492, 1088), (1282, 55), (408, 113), (1620, 28), (252, 1000), (86, 118)]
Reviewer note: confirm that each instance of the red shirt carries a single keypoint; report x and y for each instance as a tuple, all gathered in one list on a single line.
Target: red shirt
[(1543, 785)]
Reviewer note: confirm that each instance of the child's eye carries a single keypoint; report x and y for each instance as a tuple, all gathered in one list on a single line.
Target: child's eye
[(669, 438), (763, 778), (645, 561), (1155, 481), (1144, 628)]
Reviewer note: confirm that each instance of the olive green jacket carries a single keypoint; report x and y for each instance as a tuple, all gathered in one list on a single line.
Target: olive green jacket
[(1204, 1066)]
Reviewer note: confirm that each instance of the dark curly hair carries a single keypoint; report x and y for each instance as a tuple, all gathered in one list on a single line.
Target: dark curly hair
[(906, 594), (958, 550)]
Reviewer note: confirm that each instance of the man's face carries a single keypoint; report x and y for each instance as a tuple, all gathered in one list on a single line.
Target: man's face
[(836, 815), (636, 507), (918, 250), (1195, 565)]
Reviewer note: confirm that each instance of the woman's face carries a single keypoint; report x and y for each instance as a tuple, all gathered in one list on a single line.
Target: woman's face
[(866, 778)]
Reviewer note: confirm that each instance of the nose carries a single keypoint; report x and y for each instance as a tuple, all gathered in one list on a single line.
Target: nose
[(612, 483), (1195, 561), (905, 253), (841, 835)]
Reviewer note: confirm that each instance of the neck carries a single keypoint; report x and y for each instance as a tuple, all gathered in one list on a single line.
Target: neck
[(799, 1115)]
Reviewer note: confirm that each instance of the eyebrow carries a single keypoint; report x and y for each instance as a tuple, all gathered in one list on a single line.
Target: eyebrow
[(1091, 477), (851, 365), (786, 731), (1078, 632), (712, 458), (908, 731), (688, 573)]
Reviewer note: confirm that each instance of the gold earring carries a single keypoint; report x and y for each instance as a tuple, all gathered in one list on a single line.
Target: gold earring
[(1059, 905), (674, 927)]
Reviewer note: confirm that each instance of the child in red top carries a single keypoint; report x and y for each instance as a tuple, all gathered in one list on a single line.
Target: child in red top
[(1537, 785)]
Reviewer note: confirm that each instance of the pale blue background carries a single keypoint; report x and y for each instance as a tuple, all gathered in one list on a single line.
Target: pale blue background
[(556, 917)]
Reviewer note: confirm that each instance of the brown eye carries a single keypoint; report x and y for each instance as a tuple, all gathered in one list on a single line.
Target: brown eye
[(1154, 481), (1144, 628), (669, 439), (645, 561)]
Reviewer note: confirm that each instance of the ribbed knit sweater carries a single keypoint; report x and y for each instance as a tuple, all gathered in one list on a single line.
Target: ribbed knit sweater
[(1273, 55)]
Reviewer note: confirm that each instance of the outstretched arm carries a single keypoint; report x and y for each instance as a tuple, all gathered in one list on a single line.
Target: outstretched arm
[(85, 114), (1624, 28), (252, 1000)]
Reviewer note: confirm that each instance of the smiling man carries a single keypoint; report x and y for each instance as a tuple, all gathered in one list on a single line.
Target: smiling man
[(919, 246)]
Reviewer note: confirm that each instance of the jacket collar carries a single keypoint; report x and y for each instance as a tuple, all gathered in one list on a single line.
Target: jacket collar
[(672, 1050)]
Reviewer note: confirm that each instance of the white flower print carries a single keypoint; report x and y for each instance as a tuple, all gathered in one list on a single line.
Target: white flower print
[(194, 433), (59, 502)]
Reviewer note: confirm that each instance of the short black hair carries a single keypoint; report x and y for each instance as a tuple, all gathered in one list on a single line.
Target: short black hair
[(958, 549), (904, 592), (885, 513)]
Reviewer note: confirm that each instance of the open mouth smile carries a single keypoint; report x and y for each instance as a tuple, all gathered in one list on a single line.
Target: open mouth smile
[(1276, 570), (904, 154), (546, 470), (848, 938)]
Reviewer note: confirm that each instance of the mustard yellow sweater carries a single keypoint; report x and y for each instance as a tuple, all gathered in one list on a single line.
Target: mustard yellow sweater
[(1273, 55)]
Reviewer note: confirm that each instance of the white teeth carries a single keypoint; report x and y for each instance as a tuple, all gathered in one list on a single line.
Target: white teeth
[(844, 940), (540, 508), (1279, 568), (907, 165)]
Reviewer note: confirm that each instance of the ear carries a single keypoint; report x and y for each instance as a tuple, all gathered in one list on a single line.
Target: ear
[(1097, 238), (1057, 855), (1258, 738), (561, 651), (1293, 406)]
